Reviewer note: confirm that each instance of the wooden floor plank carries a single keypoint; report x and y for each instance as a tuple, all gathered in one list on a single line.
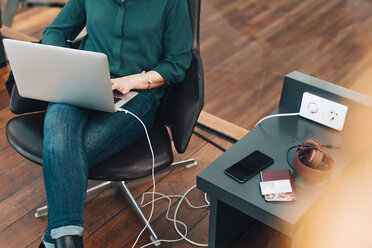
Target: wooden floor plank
[(4, 99), (16, 177), (21, 202), (14, 34), (198, 234), (222, 126), (9, 158), (16, 236), (37, 19), (3, 140), (5, 116), (4, 72)]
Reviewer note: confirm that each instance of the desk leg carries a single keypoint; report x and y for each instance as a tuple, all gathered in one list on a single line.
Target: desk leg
[(226, 224)]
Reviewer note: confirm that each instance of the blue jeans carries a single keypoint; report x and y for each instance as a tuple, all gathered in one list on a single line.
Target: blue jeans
[(75, 140)]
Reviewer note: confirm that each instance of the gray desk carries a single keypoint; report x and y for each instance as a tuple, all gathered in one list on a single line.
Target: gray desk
[(234, 206)]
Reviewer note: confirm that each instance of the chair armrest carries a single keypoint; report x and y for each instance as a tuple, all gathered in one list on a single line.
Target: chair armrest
[(185, 101), (19, 104), (22, 105)]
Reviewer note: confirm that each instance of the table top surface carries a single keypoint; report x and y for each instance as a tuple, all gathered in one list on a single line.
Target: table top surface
[(273, 137)]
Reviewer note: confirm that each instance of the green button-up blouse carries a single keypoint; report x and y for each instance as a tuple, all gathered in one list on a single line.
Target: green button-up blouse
[(136, 35)]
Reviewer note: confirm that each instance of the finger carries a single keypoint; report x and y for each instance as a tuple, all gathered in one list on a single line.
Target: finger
[(124, 91), (115, 85), (120, 89)]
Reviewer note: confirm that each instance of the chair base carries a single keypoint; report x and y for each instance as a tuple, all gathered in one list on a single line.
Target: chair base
[(139, 213), (188, 163)]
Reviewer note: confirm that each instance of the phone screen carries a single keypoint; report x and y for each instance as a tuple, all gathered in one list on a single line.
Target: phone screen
[(249, 166)]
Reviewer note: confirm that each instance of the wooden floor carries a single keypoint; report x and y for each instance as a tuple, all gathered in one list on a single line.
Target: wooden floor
[(247, 47)]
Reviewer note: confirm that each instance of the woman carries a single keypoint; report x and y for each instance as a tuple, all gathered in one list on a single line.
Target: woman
[(148, 45)]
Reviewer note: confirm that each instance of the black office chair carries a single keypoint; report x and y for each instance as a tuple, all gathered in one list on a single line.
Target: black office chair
[(179, 111), (3, 59)]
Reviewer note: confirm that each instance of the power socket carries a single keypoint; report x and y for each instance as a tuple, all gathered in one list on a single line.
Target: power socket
[(323, 111)]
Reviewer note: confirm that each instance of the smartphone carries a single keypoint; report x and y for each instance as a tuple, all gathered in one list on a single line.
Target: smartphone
[(249, 166)]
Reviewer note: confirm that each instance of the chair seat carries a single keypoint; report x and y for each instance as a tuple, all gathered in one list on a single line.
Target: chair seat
[(25, 135)]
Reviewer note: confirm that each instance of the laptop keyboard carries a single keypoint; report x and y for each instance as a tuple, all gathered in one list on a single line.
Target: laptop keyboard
[(116, 99)]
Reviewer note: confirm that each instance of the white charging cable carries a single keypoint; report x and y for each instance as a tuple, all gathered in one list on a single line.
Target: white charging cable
[(311, 107), (174, 220), (276, 115), (162, 196), (175, 217), (152, 172)]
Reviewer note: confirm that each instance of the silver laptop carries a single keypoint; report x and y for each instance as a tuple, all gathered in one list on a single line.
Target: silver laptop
[(63, 75)]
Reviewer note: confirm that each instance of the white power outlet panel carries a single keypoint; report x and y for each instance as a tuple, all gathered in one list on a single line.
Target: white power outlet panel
[(323, 111)]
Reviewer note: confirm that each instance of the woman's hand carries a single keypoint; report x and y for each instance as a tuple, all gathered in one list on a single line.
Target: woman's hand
[(139, 81), (123, 84)]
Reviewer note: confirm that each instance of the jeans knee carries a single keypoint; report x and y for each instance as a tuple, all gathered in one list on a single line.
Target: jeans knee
[(57, 112), (62, 124)]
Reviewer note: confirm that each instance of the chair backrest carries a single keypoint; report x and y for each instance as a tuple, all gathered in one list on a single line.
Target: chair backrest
[(183, 102), (2, 53)]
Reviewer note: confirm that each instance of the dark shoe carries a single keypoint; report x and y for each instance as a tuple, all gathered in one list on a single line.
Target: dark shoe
[(69, 241), (41, 245)]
